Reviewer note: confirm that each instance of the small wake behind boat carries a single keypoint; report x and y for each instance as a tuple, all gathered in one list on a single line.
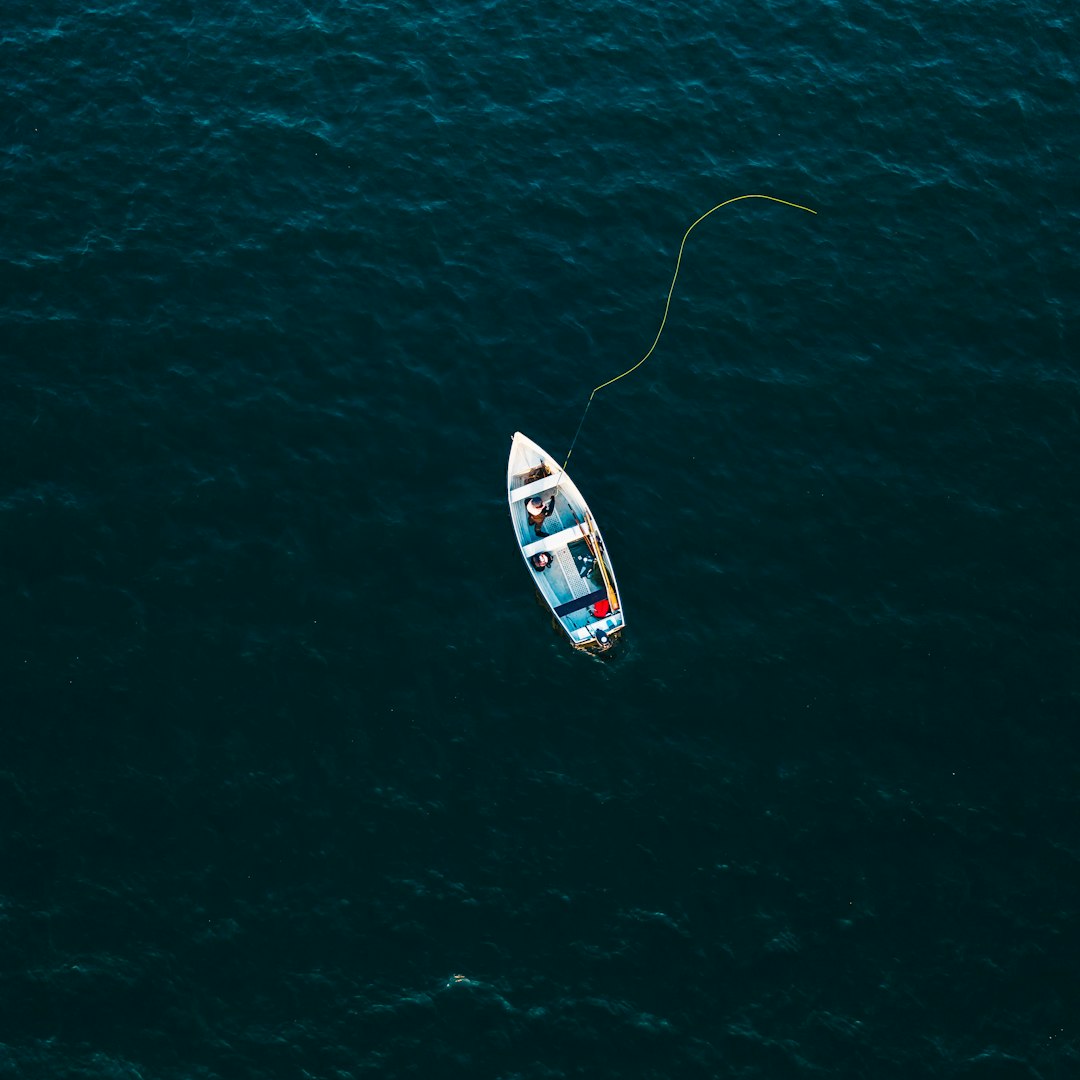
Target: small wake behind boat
[(567, 561)]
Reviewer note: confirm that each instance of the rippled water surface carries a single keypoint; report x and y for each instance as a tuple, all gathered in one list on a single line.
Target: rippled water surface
[(298, 781)]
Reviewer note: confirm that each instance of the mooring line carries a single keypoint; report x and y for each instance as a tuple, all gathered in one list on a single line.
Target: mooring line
[(667, 307)]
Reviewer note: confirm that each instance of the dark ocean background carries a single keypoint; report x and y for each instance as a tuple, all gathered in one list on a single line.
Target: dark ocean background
[(298, 781)]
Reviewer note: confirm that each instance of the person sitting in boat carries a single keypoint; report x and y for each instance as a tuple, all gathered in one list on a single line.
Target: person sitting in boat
[(541, 561), (538, 513)]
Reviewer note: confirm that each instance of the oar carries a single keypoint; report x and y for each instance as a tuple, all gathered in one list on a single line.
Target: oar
[(613, 600), (584, 532), (594, 547)]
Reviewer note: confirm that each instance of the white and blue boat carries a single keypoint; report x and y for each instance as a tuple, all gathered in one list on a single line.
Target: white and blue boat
[(562, 547)]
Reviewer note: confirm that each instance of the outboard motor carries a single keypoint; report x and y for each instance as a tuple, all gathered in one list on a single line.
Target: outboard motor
[(602, 640)]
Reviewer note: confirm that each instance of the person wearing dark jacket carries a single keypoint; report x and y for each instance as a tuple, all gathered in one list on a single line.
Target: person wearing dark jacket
[(539, 513)]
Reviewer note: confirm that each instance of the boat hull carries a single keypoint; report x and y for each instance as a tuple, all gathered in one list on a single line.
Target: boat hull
[(577, 582)]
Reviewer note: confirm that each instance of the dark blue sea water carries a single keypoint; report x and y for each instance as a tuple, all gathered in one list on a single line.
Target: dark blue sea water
[(296, 778)]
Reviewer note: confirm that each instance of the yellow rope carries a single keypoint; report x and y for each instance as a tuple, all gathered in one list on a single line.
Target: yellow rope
[(667, 304)]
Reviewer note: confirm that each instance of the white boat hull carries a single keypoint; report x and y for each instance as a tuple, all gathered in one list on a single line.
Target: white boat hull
[(578, 585)]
